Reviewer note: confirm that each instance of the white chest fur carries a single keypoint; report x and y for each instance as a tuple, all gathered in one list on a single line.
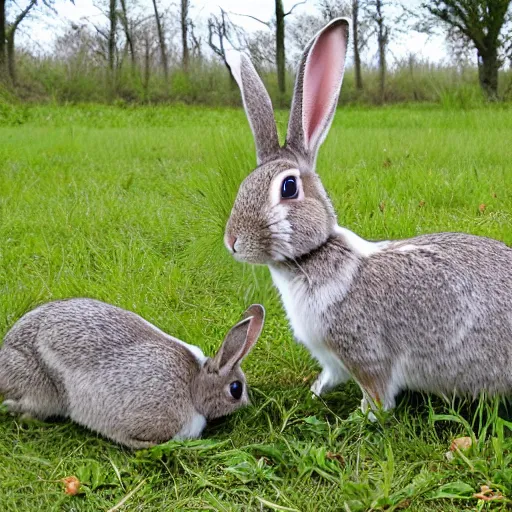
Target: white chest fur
[(306, 299), (306, 308), (192, 429), (303, 309)]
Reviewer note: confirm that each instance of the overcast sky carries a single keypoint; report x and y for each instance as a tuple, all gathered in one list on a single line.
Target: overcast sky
[(43, 30)]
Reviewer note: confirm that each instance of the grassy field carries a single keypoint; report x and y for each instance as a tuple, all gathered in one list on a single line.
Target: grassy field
[(129, 206)]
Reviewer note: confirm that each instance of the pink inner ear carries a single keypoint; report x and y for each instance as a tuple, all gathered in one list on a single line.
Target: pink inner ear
[(253, 333), (322, 80)]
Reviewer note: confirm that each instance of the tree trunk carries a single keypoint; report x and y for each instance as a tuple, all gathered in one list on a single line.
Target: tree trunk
[(161, 42), (185, 4), (3, 20), (280, 54), (147, 71), (357, 56), (8, 33), (11, 58), (488, 66), (112, 15), (382, 37), (128, 35)]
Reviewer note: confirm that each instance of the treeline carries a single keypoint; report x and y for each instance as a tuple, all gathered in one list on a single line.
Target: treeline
[(157, 52)]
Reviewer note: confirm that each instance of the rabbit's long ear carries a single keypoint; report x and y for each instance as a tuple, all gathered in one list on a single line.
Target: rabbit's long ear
[(240, 339), (257, 104), (317, 89)]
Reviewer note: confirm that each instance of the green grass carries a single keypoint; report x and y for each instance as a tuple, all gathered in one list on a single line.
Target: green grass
[(129, 206)]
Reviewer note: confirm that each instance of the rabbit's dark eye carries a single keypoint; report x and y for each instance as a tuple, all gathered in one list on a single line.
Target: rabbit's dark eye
[(236, 388), (289, 189)]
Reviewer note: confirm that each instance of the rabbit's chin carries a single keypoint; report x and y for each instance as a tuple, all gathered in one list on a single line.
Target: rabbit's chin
[(253, 259)]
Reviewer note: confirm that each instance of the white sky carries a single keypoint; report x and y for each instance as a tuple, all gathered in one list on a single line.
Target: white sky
[(40, 32)]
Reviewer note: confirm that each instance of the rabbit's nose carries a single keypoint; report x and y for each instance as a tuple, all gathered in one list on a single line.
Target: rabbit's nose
[(230, 242)]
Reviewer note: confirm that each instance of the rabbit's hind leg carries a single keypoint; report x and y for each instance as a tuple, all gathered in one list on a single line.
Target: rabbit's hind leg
[(27, 387), (333, 371), (379, 391)]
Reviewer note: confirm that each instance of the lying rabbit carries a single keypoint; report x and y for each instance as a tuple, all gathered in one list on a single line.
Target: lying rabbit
[(111, 371), (432, 313)]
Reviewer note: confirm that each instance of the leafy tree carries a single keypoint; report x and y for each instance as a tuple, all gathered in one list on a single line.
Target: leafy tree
[(480, 23)]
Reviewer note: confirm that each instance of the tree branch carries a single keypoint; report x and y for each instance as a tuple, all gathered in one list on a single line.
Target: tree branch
[(21, 16), (266, 23), (296, 5)]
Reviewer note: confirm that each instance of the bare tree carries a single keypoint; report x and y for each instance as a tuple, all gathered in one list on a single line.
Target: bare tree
[(305, 25), (3, 57), (479, 22), (146, 41), (195, 41), (280, 55), (112, 36), (382, 41), (262, 49), (184, 20), (374, 11), (280, 46), (301, 30), (128, 34), (109, 35), (357, 54), (81, 48), (220, 30), (330, 9), (280, 50), (161, 42)]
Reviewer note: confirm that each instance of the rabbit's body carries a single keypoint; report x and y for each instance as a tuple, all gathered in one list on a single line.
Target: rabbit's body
[(105, 368), (432, 313), (378, 315)]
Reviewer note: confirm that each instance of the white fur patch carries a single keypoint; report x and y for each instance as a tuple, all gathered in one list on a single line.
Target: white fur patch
[(196, 351), (333, 372), (280, 231), (192, 429), (460, 335), (404, 246), (399, 380), (358, 245), (407, 248), (234, 60), (305, 308)]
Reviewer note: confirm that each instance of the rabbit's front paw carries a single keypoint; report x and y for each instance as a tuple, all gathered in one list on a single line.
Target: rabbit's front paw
[(320, 384), (12, 406), (366, 409)]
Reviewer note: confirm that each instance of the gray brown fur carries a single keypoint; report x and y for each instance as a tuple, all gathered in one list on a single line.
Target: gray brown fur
[(111, 371), (431, 313)]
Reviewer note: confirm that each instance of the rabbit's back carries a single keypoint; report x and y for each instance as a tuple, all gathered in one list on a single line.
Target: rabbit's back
[(89, 334), (435, 309), (104, 367)]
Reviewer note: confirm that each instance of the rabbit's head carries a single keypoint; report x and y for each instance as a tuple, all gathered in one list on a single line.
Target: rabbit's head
[(220, 387), (282, 210)]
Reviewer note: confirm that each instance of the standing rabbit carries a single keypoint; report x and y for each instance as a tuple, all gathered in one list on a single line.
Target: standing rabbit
[(432, 313), (115, 373)]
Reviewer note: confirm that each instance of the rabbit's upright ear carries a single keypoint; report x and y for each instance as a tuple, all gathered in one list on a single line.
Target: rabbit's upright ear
[(317, 88), (240, 339), (257, 104)]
